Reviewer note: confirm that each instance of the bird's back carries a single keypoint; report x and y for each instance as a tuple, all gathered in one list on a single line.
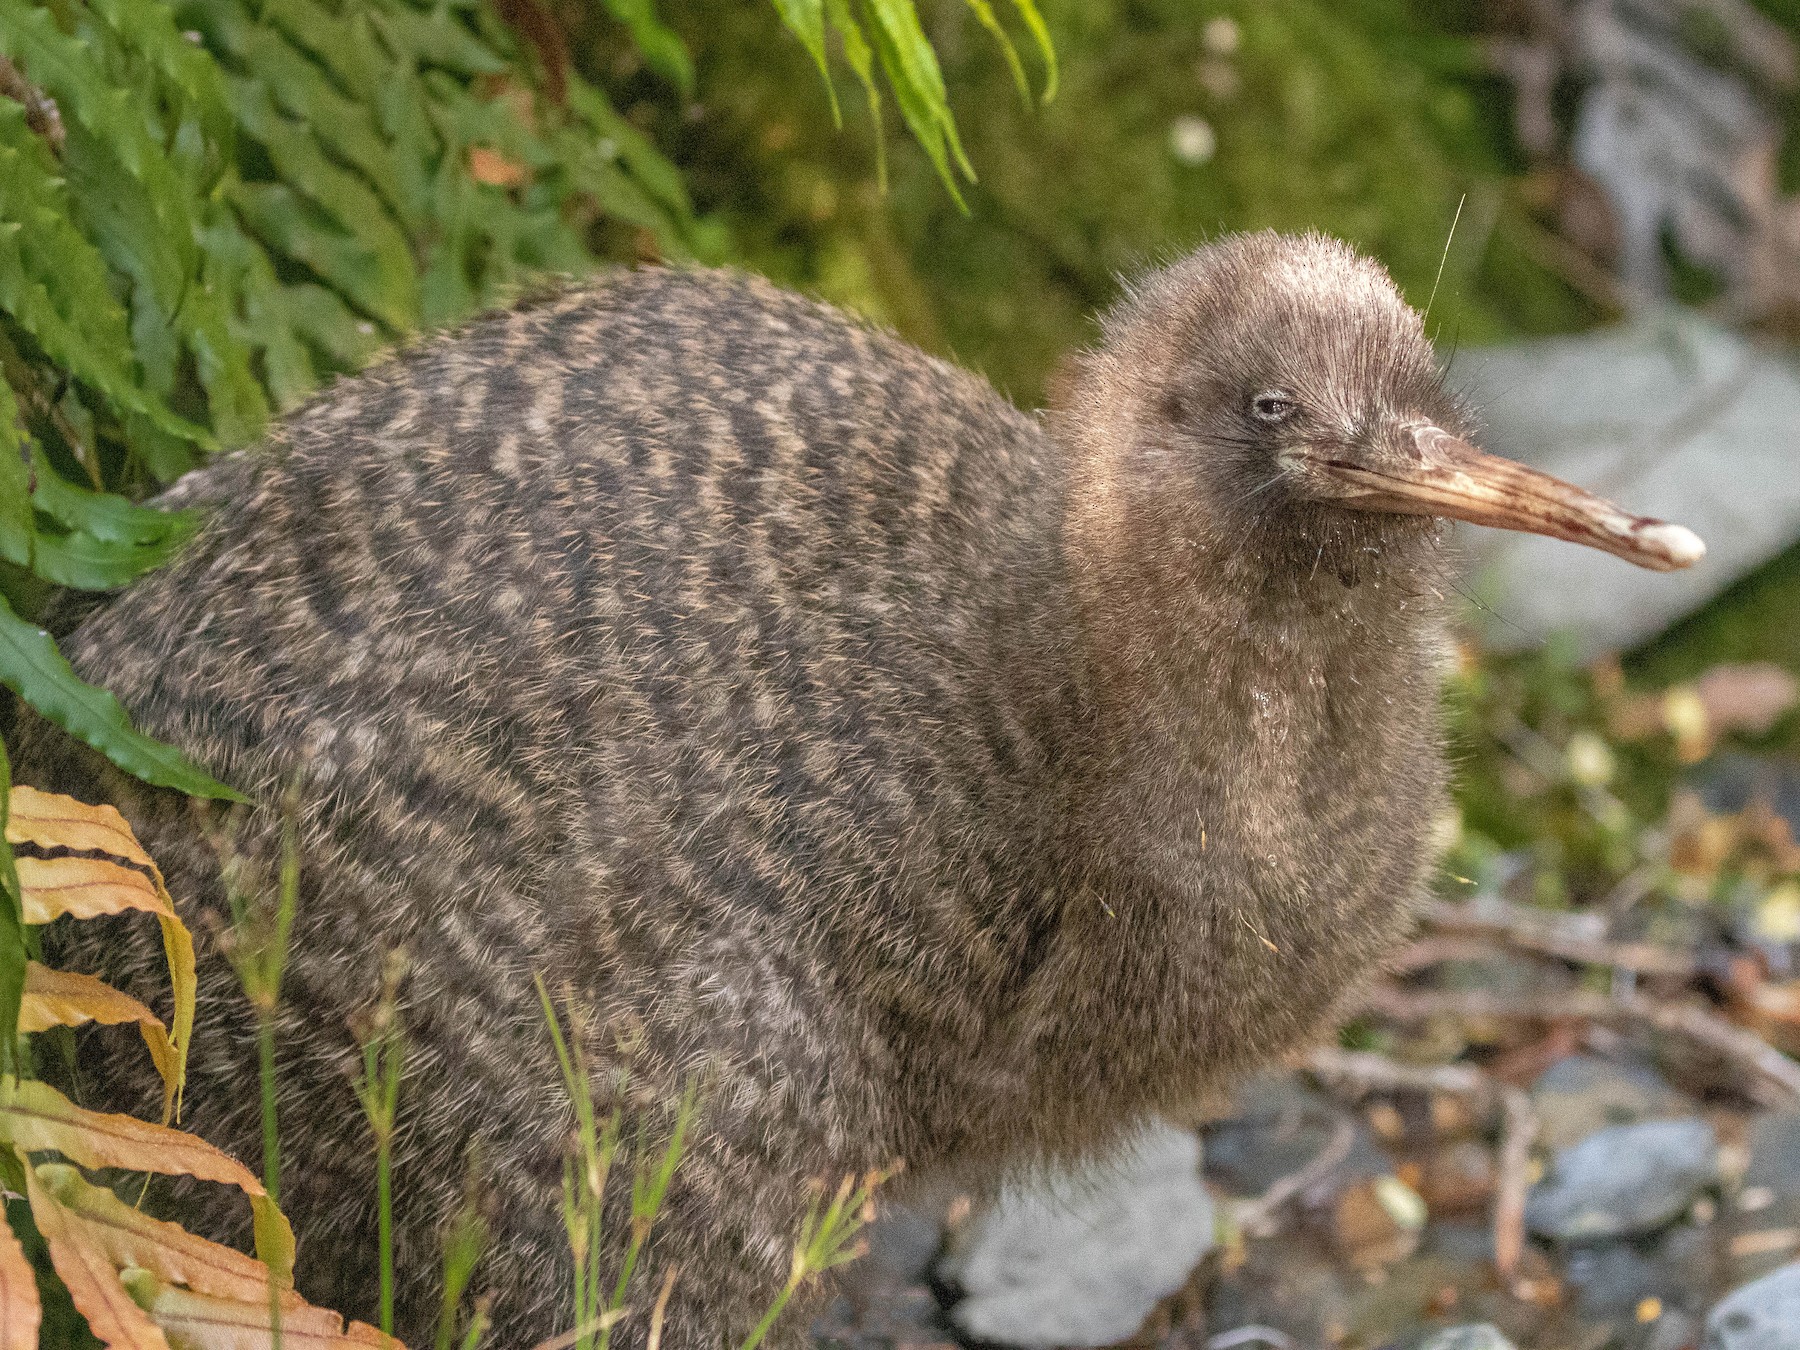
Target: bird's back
[(660, 637)]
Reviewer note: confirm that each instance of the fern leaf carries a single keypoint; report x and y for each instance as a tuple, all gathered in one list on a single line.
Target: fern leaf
[(984, 15), (33, 669), (147, 29), (861, 59), (361, 250), (104, 515), (66, 69), (1040, 34), (53, 282), (301, 88), (437, 38), (663, 51), (912, 70), (805, 19)]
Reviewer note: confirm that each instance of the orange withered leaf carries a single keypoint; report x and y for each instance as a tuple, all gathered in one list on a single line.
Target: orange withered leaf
[(65, 998), (89, 887), (495, 169), (35, 1117), (207, 1322), (84, 888), (20, 1312), (131, 1238), (89, 1275), (51, 820)]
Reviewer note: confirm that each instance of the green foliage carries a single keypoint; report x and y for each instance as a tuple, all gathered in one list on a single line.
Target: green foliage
[(1577, 786), (31, 667), (1753, 620), (1173, 121), (827, 1239), (208, 209), (889, 31), (383, 1041)]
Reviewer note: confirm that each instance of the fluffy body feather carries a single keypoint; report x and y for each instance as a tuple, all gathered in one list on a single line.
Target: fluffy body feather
[(929, 780)]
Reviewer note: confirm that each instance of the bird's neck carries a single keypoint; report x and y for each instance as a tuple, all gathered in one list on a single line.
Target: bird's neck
[(1230, 674)]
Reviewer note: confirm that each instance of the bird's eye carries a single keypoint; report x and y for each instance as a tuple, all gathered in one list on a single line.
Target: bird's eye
[(1272, 406)]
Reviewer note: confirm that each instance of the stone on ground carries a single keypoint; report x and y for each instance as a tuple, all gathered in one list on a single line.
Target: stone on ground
[(1762, 1315), (1082, 1260), (1624, 1180), (1471, 1336)]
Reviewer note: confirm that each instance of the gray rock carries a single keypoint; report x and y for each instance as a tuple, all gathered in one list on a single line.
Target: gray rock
[(1671, 416), (1611, 1279), (901, 1244), (1082, 1260), (1291, 1286), (1470, 1336), (1674, 1330), (1764, 1315), (1276, 1126), (1774, 1141), (1624, 1180), (1581, 1094), (883, 1297)]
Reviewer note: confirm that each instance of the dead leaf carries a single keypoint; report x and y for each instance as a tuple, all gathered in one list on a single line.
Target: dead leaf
[(65, 998), (84, 888), (495, 169), (50, 820), (178, 951), (207, 1322), (131, 1238), (35, 1117), (1749, 697), (1366, 1229), (90, 1278), (20, 1312)]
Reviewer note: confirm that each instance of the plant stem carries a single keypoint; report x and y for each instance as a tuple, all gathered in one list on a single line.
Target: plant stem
[(755, 1338), (271, 1138), (271, 1143), (384, 1200)]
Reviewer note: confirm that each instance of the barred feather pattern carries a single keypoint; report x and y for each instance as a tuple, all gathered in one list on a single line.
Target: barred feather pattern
[(755, 679)]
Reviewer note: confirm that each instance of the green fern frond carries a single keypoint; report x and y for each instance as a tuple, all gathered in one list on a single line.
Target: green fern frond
[(240, 198), (889, 31)]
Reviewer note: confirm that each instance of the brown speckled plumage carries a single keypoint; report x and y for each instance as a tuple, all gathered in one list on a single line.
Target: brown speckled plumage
[(935, 781)]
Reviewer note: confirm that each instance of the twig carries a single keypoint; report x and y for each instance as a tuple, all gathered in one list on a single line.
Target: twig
[(1714, 1032), (1760, 1062), (41, 112), (1251, 1335), (654, 1340), (1435, 950), (1518, 1132), (1362, 1072), (1635, 884), (1255, 1216), (1564, 936), (587, 1328), (1421, 1005)]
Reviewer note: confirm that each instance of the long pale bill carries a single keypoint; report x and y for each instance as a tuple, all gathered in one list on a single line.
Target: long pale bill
[(1452, 478)]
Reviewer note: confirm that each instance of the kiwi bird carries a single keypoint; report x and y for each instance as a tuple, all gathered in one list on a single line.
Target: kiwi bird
[(925, 779)]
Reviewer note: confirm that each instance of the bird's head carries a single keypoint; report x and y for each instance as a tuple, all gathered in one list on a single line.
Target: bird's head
[(1277, 392)]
